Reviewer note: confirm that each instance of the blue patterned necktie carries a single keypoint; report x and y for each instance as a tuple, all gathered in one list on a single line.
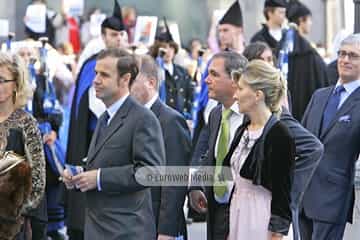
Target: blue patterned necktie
[(332, 107), (103, 125)]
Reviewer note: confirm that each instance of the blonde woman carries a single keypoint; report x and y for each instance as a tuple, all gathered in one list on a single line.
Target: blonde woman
[(261, 157), (22, 178)]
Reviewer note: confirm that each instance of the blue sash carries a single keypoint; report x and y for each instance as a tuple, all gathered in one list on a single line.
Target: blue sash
[(86, 78)]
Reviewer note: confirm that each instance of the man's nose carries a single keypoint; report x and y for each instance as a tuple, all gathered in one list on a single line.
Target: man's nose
[(207, 80)]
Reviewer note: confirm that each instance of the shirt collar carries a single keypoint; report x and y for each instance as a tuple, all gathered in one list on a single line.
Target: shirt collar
[(169, 67), (350, 86), (149, 104), (116, 106), (234, 108)]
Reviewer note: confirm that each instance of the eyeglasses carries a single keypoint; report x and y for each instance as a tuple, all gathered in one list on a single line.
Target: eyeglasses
[(352, 56), (3, 80)]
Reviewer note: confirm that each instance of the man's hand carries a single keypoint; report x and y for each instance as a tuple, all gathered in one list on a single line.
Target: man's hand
[(66, 177), (50, 138), (165, 237), (86, 181), (198, 201)]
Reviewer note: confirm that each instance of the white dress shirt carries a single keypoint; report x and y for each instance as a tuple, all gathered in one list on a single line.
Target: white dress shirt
[(169, 67), (349, 89), (235, 120), (149, 104)]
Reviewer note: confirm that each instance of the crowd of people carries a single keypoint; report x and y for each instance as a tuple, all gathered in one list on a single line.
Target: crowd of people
[(80, 122)]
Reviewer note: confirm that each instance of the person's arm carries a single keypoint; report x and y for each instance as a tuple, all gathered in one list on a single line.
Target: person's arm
[(308, 154), (189, 96), (35, 155), (200, 154), (148, 151), (309, 150), (178, 147), (281, 155), (304, 120), (200, 158)]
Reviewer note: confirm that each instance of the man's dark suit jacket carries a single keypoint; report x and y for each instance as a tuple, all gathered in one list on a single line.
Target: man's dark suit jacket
[(122, 209), (330, 196), (168, 201), (308, 152)]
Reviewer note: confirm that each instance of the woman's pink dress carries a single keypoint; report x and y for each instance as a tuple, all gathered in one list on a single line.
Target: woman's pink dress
[(250, 204)]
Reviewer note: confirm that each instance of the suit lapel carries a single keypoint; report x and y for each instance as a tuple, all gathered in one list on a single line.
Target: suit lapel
[(215, 128), (155, 108), (115, 124), (94, 137), (345, 108)]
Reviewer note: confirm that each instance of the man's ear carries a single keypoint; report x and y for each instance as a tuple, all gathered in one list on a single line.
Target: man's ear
[(152, 82), (125, 78)]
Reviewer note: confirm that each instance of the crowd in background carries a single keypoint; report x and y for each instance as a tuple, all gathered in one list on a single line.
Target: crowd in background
[(254, 107)]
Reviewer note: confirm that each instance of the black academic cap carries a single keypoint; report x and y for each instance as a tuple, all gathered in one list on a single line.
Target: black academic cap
[(233, 16), (115, 22), (164, 34), (275, 3), (295, 10)]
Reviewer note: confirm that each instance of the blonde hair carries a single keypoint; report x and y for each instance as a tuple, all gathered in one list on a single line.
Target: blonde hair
[(260, 75), (16, 67)]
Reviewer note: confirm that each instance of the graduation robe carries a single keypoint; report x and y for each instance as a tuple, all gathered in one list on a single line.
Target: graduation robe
[(81, 129), (264, 36), (307, 72)]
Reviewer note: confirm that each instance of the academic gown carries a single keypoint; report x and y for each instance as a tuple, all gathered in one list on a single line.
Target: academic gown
[(307, 72), (264, 36), (81, 129), (48, 210)]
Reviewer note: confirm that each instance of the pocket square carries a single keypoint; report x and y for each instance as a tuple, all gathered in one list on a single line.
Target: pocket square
[(345, 118)]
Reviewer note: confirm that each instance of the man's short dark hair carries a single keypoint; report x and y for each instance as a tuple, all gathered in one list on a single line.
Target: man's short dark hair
[(126, 63), (232, 61), (149, 68), (103, 30), (112, 52), (174, 46), (267, 10)]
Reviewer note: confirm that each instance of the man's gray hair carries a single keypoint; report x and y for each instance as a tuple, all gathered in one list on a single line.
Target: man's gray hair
[(353, 39), (150, 69), (232, 61)]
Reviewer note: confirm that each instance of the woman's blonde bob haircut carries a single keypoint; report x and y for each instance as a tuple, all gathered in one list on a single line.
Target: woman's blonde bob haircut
[(260, 75), (19, 73)]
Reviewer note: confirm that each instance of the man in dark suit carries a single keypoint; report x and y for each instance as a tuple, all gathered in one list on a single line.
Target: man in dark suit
[(127, 138), (308, 152), (333, 116), (167, 201), (222, 89), (85, 111)]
